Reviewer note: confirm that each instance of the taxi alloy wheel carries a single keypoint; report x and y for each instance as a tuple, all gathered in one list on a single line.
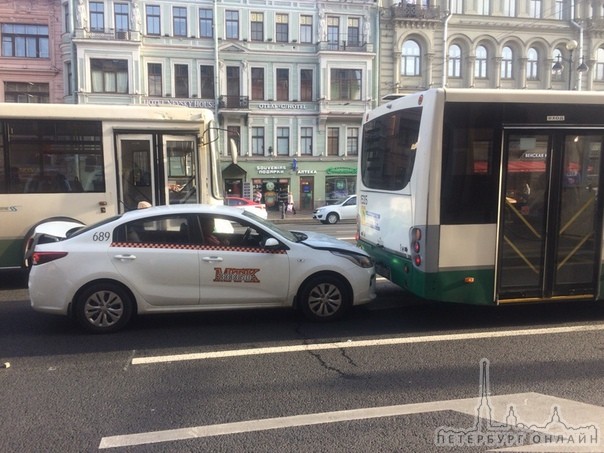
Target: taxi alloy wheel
[(324, 298), (103, 308), (332, 218)]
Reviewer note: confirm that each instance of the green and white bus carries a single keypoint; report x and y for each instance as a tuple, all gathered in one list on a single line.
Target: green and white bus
[(485, 196), (81, 163)]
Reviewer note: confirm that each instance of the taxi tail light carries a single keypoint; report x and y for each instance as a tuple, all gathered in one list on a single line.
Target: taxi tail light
[(46, 257)]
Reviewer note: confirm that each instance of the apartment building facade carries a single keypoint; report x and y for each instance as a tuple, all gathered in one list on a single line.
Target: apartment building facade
[(518, 44), (290, 80)]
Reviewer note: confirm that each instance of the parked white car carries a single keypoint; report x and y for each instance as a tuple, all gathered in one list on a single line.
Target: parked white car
[(183, 258), (333, 213)]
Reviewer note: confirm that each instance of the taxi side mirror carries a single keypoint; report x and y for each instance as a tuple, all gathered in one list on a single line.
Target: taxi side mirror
[(271, 242)]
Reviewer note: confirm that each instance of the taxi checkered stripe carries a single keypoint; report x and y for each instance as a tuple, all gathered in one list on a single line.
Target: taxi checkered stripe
[(149, 245)]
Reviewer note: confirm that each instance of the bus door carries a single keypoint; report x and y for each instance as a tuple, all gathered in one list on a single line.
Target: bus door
[(550, 218), (136, 170), (180, 170), (158, 175)]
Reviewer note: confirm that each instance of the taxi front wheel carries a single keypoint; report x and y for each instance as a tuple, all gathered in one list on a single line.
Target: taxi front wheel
[(324, 298), (103, 308)]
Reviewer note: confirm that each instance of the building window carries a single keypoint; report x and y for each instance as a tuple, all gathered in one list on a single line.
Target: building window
[(206, 82), (282, 28), (559, 10), (480, 63), (283, 141), (154, 79), (206, 23), (333, 32), (153, 20), (535, 9), (557, 56), (97, 16), (257, 27), (109, 76), (346, 84), (306, 141), (69, 78), (306, 94), (532, 64), (283, 84), (333, 141), (179, 21), (454, 66), (457, 6), (181, 80), (484, 7), (120, 11), (26, 92), (509, 8), (306, 29), (232, 24), (354, 31), (257, 141), (29, 41), (257, 84), (599, 69), (507, 63), (352, 141), (410, 64)]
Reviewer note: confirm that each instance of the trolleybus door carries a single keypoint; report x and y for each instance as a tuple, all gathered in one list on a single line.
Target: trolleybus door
[(550, 219), (167, 176), (136, 172)]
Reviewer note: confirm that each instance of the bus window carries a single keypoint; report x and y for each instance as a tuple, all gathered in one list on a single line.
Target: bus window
[(389, 145), (55, 156), (469, 184)]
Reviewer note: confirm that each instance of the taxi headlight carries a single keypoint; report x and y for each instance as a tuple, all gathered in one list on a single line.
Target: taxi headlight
[(356, 258)]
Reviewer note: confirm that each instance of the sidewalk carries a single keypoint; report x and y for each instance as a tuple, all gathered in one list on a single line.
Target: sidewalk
[(300, 217)]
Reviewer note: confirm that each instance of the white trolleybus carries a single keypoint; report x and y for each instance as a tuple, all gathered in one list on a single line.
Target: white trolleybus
[(485, 196), (82, 163)]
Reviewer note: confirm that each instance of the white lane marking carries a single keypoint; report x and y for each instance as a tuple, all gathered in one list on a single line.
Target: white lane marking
[(362, 344), (529, 407)]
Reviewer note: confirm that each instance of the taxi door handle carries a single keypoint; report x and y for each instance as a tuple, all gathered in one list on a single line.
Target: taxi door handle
[(211, 259), (125, 257)]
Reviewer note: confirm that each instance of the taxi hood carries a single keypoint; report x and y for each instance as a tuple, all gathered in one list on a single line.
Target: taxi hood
[(326, 242)]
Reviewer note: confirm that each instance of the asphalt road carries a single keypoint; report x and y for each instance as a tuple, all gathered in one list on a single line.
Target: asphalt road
[(397, 375)]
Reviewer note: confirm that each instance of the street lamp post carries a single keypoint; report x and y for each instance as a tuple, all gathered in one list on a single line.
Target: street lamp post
[(558, 67)]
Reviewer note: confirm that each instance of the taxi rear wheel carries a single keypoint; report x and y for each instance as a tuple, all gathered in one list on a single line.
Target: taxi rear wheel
[(103, 308), (324, 298)]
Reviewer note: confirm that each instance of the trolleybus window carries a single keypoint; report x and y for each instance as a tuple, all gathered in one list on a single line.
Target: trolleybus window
[(389, 144), (53, 156)]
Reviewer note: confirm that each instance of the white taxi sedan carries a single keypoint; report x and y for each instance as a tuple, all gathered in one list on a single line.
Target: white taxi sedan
[(185, 258)]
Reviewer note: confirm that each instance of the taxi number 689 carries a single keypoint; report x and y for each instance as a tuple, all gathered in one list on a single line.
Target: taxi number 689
[(101, 236)]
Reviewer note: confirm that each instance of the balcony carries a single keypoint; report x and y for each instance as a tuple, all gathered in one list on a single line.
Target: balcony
[(345, 46), (234, 102), (409, 11), (110, 35)]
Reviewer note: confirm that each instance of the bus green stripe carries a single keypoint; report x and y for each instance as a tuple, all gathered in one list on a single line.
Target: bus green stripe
[(446, 286), (11, 252)]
